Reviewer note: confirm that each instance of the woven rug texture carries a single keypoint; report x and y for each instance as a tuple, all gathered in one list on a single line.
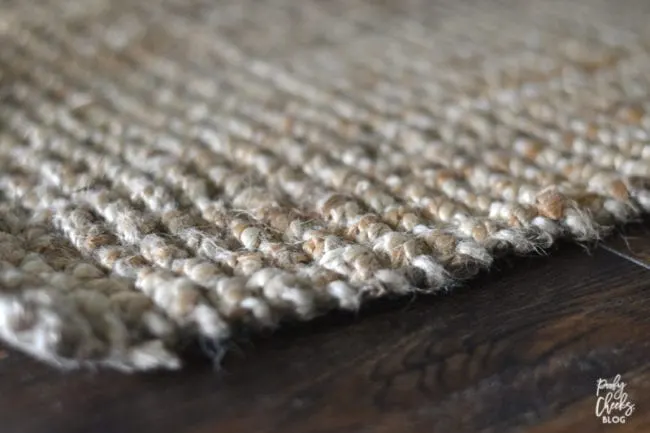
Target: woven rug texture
[(181, 169)]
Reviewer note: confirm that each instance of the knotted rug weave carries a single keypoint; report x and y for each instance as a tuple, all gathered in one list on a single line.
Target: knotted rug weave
[(181, 169)]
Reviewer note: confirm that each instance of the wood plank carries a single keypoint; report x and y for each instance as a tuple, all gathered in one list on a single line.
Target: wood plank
[(520, 347)]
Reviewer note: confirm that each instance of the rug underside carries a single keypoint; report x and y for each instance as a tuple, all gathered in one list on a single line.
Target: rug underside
[(174, 169)]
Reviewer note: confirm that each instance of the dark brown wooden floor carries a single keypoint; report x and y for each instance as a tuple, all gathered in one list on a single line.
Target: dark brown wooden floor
[(519, 349)]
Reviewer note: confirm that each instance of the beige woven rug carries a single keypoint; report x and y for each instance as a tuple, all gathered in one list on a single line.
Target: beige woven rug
[(174, 169)]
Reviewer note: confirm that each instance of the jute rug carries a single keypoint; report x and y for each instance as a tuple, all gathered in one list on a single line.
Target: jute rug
[(178, 169)]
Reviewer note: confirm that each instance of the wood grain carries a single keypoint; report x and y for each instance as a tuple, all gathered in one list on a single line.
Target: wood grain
[(518, 349)]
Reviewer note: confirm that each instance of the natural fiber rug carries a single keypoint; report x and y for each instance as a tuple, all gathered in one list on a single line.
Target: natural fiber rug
[(174, 169)]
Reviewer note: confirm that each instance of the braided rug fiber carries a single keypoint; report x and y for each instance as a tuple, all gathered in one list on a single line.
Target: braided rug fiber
[(176, 169)]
